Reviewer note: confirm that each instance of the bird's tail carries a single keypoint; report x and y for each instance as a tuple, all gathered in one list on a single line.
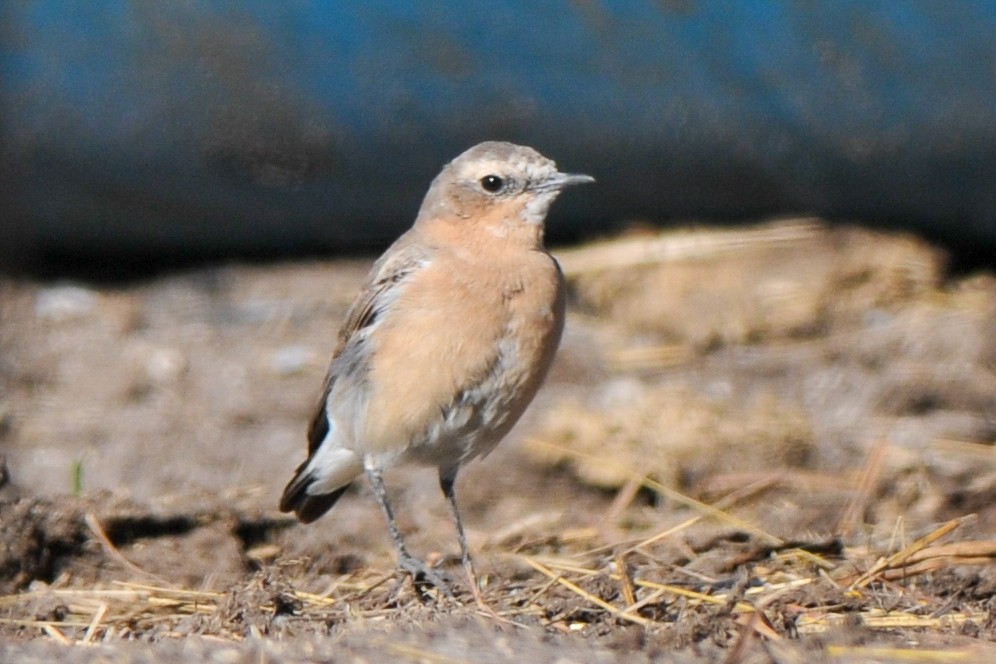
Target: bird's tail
[(320, 481)]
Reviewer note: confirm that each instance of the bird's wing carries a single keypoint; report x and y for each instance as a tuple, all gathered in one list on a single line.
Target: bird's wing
[(382, 287)]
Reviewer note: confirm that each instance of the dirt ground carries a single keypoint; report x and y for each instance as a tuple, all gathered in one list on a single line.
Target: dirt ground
[(757, 445)]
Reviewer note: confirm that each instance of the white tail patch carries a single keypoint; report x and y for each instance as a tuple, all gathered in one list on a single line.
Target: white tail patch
[(332, 468)]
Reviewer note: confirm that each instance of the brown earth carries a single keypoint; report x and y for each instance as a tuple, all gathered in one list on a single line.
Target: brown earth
[(766, 445)]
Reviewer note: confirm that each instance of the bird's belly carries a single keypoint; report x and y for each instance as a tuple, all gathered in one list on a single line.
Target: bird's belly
[(480, 416), (466, 430)]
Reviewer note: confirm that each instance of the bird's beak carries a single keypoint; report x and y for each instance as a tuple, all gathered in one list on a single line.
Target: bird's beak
[(560, 181)]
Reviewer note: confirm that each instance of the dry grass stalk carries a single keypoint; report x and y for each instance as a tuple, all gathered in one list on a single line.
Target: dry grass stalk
[(105, 542), (627, 582), (868, 480), (980, 551), (52, 631), (628, 253), (983, 452), (645, 358), (939, 557), (722, 504), (422, 655), (900, 558), (866, 653), (877, 619), (92, 628), (665, 491), (573, 587)]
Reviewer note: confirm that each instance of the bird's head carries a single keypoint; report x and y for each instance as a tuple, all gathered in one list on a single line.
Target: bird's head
[(498, 184)]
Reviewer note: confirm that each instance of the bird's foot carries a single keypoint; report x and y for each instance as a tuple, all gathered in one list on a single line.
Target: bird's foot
[(423, 576)]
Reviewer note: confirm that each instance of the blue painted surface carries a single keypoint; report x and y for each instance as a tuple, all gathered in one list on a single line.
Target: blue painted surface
[(254, 125)]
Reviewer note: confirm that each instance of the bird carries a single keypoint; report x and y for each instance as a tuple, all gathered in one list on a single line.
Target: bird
[(447, 343)]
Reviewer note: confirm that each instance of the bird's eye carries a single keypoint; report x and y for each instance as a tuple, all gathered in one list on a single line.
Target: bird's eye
[(492, 183)]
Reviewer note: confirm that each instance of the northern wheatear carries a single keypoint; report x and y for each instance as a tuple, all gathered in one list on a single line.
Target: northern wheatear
[(447, 342)]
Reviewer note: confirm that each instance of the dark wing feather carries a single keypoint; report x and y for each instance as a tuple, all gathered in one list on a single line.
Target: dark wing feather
[(307, 507), (388, 273), (394, 267)]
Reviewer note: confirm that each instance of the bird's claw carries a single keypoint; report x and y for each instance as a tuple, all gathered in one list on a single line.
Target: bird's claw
[(423, 576)]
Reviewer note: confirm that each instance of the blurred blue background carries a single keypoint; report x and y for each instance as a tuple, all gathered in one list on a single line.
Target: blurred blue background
[(139, 131)]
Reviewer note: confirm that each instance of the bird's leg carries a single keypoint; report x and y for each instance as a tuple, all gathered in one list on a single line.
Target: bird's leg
[(447, 481), (418, 570)]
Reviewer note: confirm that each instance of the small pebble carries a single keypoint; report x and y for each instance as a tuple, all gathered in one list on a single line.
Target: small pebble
[(63, 303)]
